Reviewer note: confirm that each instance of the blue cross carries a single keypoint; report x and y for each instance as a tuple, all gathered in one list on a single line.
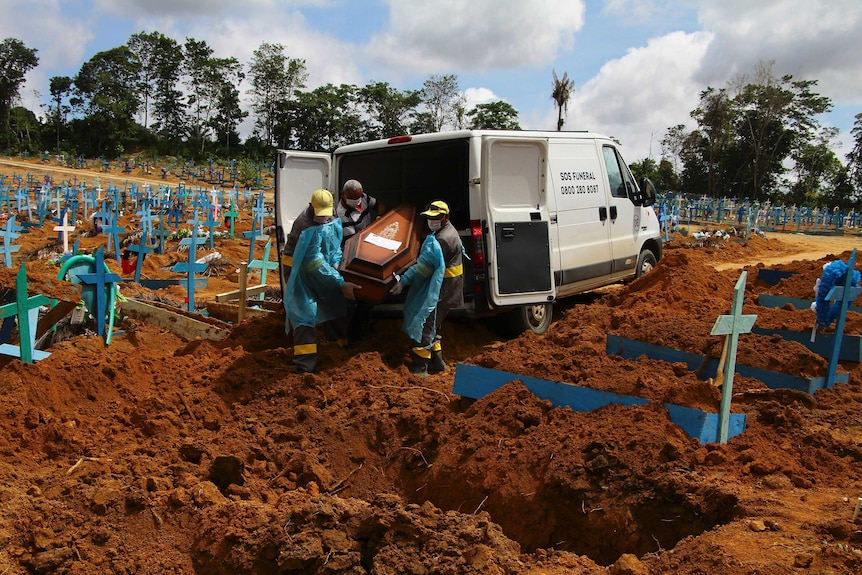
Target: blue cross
[(112, 230), (9, 233), (101, 280), (847, 294), (191, 267)]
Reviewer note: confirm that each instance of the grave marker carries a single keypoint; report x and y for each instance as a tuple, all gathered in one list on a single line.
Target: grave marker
[(142, 249), (191, 267), (731, 326), (846, 294), (231, 215), (9, 233), (27, 311), (101, 280), (264, 264), (64, 230)]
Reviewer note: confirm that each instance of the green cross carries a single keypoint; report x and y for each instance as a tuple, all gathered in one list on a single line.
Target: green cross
[(232, 214), (27, 310), (731, 326), (264, 264)]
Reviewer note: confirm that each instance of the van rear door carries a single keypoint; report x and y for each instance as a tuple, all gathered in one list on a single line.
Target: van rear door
[(519, 243), (297, 175)]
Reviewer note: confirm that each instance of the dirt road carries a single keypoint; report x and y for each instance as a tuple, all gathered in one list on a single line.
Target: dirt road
[(803, 247), (9, 166)]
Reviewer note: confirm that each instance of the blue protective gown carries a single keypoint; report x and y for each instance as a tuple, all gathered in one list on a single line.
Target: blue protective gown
[(833, 274), (424, 278), (313, 293)]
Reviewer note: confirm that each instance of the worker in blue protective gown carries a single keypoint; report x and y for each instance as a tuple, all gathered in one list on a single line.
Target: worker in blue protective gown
[(436, 283), (315, 293)]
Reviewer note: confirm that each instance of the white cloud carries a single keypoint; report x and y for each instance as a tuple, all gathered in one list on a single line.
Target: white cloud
[(456, 35), (637, 97), (60, 44), (169, 9), (810, 39), (474, 96), (38, 24)]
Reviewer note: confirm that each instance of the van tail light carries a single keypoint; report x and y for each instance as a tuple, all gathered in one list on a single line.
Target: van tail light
[(478, 244), (399, 140)]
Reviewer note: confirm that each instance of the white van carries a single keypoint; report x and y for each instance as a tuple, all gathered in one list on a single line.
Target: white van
[(542, 215)]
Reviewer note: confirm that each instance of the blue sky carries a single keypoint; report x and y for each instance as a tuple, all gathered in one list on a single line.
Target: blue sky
[(638, 65)]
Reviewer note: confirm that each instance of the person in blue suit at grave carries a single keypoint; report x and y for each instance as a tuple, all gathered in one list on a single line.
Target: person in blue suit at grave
[(436, 283), (316, 293), (357, 210)]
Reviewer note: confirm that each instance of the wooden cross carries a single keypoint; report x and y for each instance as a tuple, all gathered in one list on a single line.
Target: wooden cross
[(259, 213), (174, 213), (142, 249), (27, 311), (146, 215), (101, 281), (264, 264), (5, 196), (215, 204), (232, 215), (191, 267), (22, 199), (112, 230), (9, 233), (731, 326), (89, 202), (64, 230), (210, 223), (847, 294)]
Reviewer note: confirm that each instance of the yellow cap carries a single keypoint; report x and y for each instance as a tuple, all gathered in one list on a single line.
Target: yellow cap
[(436, 209), (321, 201)]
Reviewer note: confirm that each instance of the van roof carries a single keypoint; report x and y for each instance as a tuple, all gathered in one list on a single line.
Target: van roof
[(464, 134)]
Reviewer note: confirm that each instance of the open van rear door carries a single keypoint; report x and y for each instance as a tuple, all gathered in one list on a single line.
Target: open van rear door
[(518, 242), (297, 175)]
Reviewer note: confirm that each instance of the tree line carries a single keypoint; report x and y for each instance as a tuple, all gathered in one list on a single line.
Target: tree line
[(157, 95), (759, 137)]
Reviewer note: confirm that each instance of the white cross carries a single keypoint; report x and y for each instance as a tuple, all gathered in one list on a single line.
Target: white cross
[(64, 230)]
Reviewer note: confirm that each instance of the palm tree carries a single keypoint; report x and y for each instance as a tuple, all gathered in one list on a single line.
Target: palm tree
[(563, 90)]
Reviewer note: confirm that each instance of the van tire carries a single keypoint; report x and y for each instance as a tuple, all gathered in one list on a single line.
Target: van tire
[(536, 318), (646, 262)]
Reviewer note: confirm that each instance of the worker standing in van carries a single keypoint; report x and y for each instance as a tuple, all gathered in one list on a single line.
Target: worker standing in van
[(357, 210), (315, 293), (437, 285)]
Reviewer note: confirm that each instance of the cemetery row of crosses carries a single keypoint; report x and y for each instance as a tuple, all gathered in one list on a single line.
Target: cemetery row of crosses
[(679, 210), (160, 213)]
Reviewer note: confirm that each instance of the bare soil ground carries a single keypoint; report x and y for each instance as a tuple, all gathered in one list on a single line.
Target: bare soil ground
[(163, 454)]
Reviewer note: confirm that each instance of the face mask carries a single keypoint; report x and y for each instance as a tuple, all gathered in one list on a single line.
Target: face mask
[(353, 203), (321, 219), (435, 225)]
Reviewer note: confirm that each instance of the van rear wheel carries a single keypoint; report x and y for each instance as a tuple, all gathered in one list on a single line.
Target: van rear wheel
[(536, 318)]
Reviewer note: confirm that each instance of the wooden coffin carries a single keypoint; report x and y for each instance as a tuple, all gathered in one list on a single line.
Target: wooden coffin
[(386, 247)]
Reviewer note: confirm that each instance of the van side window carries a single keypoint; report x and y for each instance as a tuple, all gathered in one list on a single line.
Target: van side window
[(616, 175)]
